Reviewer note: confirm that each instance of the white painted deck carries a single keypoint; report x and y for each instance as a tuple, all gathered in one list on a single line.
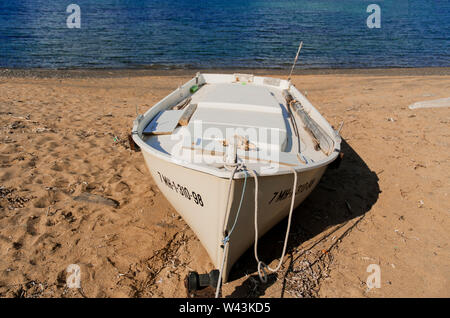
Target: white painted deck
[(244, 108)]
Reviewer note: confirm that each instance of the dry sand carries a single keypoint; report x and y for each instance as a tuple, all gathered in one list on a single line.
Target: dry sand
[(72, 192)]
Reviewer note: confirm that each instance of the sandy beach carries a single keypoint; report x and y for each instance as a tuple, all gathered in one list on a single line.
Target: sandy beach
[(73, 192)]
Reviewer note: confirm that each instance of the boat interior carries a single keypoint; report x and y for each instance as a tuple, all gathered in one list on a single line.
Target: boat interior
[(251, 120)]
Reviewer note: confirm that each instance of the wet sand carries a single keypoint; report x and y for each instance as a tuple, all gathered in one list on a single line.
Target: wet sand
[(72, 192)]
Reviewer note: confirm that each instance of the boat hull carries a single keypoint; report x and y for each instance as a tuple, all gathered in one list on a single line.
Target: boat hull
[(274, 200), (201, 199)]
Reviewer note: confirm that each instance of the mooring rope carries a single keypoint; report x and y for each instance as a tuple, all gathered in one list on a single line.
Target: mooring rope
[(226, 239), (262, 265)]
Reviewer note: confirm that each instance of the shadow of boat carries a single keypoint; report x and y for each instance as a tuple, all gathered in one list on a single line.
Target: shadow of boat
[(342, 195)]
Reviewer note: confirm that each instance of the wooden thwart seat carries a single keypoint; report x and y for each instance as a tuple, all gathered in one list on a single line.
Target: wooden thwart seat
[(166, 121)]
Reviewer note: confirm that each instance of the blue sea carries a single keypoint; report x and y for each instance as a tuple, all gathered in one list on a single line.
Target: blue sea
[(224, 34)]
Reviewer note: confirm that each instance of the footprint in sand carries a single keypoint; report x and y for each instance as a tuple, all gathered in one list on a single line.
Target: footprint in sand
[(31, 229), (47, 200), (32, 162), (115, 178), (42, 202), (52, 145), (56, 167), (153, 191), (42, 140), (60, 183), (122, 187)]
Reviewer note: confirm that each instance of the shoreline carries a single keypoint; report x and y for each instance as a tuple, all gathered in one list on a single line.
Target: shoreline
[(138, 72)]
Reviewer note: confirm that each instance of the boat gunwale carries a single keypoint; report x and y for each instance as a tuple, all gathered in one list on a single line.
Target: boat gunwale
[(212, 170)]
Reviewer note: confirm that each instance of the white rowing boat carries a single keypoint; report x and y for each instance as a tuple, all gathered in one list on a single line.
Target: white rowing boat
[(234, 154)]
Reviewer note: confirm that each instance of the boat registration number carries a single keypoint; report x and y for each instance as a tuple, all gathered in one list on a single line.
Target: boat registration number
[(287, 193), (182, 190)]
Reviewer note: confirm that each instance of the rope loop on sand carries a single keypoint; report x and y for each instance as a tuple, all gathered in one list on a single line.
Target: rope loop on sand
[(261, 272)]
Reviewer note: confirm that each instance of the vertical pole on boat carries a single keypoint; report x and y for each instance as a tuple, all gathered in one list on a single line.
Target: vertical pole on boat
[(295, 60)]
